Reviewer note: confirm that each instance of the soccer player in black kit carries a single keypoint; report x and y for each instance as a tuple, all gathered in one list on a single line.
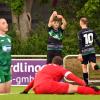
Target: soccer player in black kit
[(56, 26), (86, 38)]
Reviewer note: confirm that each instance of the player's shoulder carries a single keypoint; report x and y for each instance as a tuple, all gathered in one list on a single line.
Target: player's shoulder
[(4, 36), (86, 30), (50, 28), (8, 36), (60, 29), (50, 65), (80, 31), (90, 30)]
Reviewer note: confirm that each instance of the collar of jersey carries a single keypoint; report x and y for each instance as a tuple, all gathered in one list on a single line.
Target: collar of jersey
[(2, 35)]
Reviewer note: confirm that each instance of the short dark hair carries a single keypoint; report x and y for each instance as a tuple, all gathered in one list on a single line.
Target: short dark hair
[(84, 20), (57, 60)]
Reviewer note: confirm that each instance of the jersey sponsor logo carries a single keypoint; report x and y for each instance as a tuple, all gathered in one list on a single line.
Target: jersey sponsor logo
[(6, 48), (56, 35)]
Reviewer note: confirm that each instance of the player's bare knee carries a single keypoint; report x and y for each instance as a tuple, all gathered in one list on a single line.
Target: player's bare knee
[(8, 87), (84, 69), (2, 88)]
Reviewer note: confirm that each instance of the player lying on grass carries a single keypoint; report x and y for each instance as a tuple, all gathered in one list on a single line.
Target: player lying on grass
[(48, 81), (87, 37)]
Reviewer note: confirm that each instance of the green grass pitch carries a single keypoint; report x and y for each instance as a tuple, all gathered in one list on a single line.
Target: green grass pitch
[(31, 96)]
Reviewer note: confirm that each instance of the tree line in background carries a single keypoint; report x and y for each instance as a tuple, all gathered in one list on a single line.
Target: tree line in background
[(29, 41)]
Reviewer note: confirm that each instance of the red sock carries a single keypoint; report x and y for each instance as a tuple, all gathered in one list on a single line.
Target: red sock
[(29, 86), (73, 77), (87, 90)]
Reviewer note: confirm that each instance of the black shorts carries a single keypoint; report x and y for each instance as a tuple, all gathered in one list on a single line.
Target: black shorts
[(89, 58), (53, 53)]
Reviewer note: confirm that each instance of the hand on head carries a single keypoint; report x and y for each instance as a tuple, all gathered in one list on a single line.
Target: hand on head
[(54, 13), (60, 16)]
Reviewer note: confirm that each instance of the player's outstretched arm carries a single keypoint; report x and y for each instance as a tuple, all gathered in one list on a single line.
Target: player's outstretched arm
[(28, 87), (70, 76), (51, 18)]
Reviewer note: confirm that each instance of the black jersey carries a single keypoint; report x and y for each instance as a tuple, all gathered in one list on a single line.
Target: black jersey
[(54, 39), (86, 41), (55, 36)]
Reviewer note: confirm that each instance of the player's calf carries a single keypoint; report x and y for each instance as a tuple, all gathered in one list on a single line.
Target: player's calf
[(87, 90)]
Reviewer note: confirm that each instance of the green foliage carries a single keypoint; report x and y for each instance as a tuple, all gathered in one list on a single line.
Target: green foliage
[(70, 41), (4, 1), (36, 44), (15, 5), (90, 8), (72, 10)]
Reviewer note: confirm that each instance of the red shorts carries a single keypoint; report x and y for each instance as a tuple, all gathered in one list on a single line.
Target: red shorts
[(52, 87)]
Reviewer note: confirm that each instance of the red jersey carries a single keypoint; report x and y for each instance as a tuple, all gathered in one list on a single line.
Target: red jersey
[(50, 72)]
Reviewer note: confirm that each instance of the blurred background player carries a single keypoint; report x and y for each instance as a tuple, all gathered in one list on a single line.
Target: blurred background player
[(87, 37), (56, 26), (5, 57), (48, 81)]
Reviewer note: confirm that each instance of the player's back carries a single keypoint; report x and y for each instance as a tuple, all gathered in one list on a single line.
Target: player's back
[(87, 37), (49, 72)]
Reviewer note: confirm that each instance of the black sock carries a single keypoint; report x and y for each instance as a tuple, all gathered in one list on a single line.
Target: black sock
[(85, 77), (96, 67)]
